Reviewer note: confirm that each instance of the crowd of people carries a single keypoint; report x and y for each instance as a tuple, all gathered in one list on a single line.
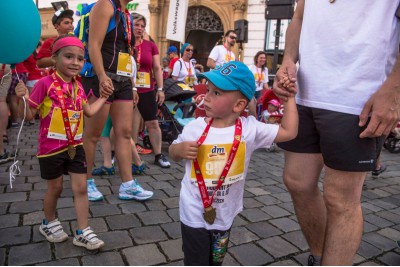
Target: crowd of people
[(333, 82)]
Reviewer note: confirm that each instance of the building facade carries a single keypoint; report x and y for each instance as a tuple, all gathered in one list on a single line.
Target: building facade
[(207, 21)]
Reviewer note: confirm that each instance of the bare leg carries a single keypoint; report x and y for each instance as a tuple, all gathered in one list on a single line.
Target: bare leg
[(121, 112), (14, 108), (54, 189), (81, 203), (91, 134), (155, 135), (136, 124), (342, 195), (135, 155), (106, 149), (309, 205), (3, 121)]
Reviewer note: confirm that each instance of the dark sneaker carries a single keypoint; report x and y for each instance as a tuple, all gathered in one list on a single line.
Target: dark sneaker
[(379, 171), (138, 169), (6, 157), (88, 239), (53, 231), (314, 261), (162, 161), (103, 171)]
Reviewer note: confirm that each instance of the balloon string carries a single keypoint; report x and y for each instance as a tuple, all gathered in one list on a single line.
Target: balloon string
[(14, 168)]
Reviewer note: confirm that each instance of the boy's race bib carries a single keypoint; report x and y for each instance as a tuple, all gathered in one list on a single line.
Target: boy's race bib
[(212, 159)]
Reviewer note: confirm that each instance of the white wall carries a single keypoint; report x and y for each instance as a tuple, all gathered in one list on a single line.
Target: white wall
[(141, 8), (255, 17)]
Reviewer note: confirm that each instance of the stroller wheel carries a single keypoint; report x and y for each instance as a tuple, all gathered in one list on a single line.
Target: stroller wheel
[(392, 145), (271, 148), (146, 142)]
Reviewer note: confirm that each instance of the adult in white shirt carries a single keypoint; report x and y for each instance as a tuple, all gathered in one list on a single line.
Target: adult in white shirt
[(260, 72), (221, 54), (348, 100), (184, 70)]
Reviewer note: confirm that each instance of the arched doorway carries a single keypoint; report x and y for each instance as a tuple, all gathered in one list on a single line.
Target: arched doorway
[(203, 29)]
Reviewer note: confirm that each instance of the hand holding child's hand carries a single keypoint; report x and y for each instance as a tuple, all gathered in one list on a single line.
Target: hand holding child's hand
[(106, 87), (21, 90), (189, 150)]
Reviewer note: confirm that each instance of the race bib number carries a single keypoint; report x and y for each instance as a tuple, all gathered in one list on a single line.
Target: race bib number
[(57, 128), (212, 159), (124, 66), (189, 80), (143, 80)]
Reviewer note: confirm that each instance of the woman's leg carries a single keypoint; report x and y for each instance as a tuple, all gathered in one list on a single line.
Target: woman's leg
[(121, 112)]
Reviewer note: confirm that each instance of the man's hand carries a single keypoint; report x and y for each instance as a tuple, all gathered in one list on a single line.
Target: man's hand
[(285, 81), (384, 109)]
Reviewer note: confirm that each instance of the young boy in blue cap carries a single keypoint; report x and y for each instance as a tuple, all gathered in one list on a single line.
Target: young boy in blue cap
[(217, 150)]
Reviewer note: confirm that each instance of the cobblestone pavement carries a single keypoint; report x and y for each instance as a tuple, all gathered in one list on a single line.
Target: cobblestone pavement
[(148, 233)]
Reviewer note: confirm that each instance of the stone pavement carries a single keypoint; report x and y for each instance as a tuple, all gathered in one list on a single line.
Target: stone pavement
[(148, 233)]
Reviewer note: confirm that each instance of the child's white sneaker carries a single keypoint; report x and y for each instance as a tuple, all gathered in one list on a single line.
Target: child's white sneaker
[(53, 231), (88, 239)]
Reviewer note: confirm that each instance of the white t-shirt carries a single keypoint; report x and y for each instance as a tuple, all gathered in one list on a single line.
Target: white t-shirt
[(212, 156), (260, 76), (347, 49), (181, 71), (221, 55)]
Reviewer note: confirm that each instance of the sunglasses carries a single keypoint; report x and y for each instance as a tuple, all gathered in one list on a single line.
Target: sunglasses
[(188, 50), (233, 37)]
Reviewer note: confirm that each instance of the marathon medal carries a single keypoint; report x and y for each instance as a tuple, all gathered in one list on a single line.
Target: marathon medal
[(210, 214), (71, 151)]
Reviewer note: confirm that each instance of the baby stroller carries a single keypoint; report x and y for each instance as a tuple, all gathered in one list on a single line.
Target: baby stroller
[(392, 142), (264, 115), (176, 111)]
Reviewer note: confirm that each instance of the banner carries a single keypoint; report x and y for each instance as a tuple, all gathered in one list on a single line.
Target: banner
[(177, 20)]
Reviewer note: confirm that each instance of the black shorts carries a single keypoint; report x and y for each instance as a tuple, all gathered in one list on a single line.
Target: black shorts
[(148, 106), (122, 89), (336, 136), (52, 167), (204, 247)]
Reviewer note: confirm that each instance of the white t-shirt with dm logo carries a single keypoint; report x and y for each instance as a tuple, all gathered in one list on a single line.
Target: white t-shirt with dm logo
[(212, 157)]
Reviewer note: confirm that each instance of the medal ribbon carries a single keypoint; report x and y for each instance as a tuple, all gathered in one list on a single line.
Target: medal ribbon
[(229, 53), (207, 201), (64, 112), (139, 53), (126, 18)]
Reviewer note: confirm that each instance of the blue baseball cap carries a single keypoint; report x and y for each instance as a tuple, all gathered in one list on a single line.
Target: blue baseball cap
[(172, 49), (232, 76)]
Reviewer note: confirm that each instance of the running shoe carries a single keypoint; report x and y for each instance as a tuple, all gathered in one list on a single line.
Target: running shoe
[(6, 157), (88, 239), (377, 172), (103, 171), (138, 169), (162, 161), (142, 150), (134, 191), (53, 231), (93, 193)]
